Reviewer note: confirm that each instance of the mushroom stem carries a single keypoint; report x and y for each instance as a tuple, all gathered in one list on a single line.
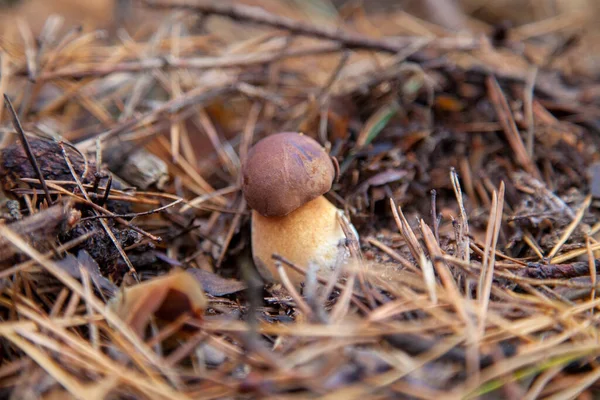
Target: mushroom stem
[(309, 234)]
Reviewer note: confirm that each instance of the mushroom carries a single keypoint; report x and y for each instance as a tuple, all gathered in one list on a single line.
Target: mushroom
[(284, 178)]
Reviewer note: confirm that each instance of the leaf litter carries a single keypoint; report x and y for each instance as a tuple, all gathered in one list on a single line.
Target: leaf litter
[(466, 164)]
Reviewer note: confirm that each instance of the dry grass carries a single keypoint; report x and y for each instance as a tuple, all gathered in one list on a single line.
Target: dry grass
[(485, 287)]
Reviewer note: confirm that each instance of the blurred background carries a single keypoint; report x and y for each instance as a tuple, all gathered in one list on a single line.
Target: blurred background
[(568, 28)]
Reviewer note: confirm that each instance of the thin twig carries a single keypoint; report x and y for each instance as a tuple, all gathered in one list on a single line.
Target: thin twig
[(136, 215), (25, 143), (350, 40), (528, 105), (232, 229), (509, 126), (200, 63)]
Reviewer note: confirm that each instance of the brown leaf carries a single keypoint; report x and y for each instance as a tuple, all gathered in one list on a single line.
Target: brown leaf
[(382, 178), (166, 298), (72, 266), (41, 227), (215, 285)]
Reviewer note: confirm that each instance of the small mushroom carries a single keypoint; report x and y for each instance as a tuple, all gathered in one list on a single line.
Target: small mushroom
[(284, 178)]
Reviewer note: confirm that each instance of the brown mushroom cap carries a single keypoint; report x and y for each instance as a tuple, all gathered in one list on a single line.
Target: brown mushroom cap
[(285, 171)]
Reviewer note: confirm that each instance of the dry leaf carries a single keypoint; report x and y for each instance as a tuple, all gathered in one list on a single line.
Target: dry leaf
[(41, 227), (72, 266), (166, 298), (215, 285)]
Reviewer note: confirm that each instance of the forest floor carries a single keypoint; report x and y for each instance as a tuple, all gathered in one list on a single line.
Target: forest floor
[(468, 163)]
